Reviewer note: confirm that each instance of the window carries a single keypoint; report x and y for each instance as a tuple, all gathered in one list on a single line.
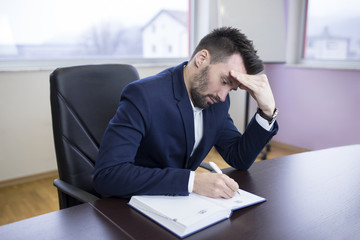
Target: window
[(332, 30), (92, 29)]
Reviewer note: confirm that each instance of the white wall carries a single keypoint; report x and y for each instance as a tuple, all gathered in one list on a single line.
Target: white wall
[(26, 145), (26, 140), (262, 21)]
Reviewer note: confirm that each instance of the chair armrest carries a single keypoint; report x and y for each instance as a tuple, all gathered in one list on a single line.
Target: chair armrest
[(74, 192), (206, 166)]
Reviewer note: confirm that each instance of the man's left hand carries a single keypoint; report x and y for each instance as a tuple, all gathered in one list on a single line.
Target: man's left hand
[(259, 88)]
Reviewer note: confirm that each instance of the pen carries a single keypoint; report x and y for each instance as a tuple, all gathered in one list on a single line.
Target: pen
[(218, 170), (215, 167)]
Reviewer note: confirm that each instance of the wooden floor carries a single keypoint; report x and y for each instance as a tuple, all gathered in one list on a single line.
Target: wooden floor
[(27, 200), (35, 198)]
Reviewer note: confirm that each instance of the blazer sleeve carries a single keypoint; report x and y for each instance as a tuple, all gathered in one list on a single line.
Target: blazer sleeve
[(240, 150), (116, 172)]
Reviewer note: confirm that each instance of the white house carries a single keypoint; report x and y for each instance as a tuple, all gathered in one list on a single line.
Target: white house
[(166, 35), (327, 47)]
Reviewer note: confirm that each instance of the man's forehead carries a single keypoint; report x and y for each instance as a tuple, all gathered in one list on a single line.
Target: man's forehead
[(236, 63)]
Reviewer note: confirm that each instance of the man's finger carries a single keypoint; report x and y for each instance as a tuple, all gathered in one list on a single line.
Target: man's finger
[(230, 188), (228, 194), (244, 81)]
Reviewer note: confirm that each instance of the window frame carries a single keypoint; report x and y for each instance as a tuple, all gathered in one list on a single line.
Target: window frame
[(297, 15)]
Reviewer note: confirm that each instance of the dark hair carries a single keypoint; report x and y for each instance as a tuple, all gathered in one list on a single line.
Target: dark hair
[(224, 42)]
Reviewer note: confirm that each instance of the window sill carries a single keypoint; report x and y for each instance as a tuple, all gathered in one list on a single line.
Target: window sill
[(326, 65), (49, 65)]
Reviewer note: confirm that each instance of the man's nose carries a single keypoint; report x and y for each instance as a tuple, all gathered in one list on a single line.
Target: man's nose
[(223, 93)]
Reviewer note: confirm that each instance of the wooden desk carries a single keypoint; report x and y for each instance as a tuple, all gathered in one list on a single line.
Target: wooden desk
[(313, 195)]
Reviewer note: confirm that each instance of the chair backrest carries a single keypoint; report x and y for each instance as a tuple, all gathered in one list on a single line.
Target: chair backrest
[(83, 101)]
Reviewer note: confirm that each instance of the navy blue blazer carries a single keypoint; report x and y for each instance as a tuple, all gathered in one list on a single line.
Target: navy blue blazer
[(146, 147)]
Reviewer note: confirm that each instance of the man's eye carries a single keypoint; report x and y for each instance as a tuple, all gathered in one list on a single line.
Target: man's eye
[(223, 82)]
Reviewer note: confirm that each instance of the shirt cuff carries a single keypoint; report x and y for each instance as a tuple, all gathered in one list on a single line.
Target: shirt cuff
[(263, 122), (191, 181)]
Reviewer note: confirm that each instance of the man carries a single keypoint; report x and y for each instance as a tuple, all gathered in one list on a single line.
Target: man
[(166, 124)]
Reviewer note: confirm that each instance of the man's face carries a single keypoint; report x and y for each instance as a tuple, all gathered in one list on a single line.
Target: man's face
[(213, 83)]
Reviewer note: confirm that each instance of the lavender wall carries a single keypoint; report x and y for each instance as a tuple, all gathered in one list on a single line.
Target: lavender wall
[(319, 108)]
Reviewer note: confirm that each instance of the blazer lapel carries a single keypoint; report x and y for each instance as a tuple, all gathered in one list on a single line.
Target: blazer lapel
[(188, 123), (185, 109)]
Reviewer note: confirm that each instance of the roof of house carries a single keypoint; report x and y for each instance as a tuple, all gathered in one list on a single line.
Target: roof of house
[(180, 16)]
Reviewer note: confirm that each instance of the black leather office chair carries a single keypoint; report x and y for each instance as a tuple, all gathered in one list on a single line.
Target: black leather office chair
[(83, 100)]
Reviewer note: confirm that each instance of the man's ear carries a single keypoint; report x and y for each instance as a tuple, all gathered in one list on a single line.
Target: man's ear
[(202, 57)]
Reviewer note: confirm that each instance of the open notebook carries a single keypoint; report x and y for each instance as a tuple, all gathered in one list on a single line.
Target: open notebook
[(184, 215)]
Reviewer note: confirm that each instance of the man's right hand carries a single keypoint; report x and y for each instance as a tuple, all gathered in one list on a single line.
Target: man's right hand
[(214, 185)]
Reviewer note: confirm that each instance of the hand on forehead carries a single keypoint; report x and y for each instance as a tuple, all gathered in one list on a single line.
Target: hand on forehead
[(259, 88), (246, 80)]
